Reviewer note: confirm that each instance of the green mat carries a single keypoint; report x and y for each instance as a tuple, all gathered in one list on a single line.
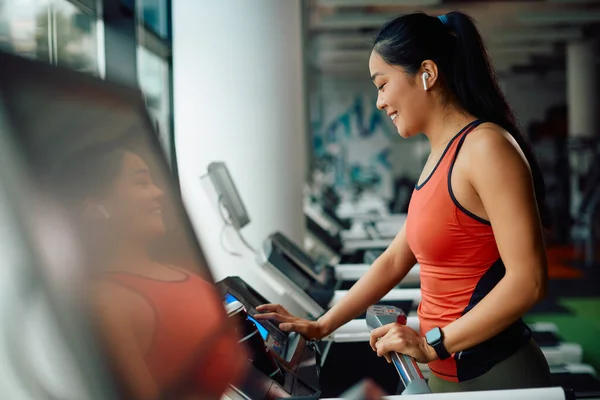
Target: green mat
[(582, 326)]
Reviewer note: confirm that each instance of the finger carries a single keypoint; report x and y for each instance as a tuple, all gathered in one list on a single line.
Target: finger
[(269, 308), (388, 358), (377, 333), (292, 327), (385, 346), (272, 316), (379, 346)]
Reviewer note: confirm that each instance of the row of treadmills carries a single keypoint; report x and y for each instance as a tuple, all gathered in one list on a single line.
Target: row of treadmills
[(318, 277)]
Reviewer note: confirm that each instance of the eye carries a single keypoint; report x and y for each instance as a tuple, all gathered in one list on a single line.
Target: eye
[(382, 86), (143, 183)]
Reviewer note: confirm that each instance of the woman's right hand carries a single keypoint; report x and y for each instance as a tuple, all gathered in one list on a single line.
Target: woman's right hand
[(311, 330)]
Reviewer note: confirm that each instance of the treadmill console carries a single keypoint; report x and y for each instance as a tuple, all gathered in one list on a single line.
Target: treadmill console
[(277, 341), (291, 250), (283, 365), (334, 242), (316, 279)]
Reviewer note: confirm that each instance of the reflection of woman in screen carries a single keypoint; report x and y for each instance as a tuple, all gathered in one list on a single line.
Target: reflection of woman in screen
[(164, 329)]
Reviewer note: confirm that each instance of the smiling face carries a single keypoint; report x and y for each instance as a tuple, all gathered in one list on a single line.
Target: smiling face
[(401, 95), (134, 202)]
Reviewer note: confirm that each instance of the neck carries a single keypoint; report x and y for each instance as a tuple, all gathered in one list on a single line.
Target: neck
[(133, 257), (444, 125)]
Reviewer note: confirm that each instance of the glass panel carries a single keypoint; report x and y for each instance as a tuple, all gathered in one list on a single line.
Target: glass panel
[(24, 28), (154, 15), (37, 359), (91, 4), (76, 38), (101, 201), (153, 76)]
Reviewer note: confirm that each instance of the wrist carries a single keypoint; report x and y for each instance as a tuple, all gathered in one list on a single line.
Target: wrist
[(323, 327), (429, 351), (435, 339)]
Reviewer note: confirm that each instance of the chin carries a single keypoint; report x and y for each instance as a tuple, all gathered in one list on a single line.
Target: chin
[(405, 134), (156, 231)]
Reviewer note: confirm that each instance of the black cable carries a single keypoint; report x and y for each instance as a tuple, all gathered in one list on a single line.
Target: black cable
[(228, 223), (232, 253)]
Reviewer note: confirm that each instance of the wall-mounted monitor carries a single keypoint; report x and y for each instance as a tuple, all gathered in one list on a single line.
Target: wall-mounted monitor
[(229, 197)]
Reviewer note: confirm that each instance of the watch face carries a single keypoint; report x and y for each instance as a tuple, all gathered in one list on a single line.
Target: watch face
[(434, 336)]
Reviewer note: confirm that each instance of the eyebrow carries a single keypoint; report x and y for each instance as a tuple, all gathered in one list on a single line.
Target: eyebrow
[(375, 75)]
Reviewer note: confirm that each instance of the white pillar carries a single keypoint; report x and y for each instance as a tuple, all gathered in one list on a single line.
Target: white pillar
[(582, 88), (239, 98)]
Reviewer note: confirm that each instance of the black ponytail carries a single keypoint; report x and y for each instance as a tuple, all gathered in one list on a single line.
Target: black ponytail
[(455, 45)]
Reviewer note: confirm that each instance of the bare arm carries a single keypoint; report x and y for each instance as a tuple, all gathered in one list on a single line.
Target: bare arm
[(120, 344), (503, 182), (502, 179), (385, 273)]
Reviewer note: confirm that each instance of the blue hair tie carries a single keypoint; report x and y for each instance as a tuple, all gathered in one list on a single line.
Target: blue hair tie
[(443, 18)]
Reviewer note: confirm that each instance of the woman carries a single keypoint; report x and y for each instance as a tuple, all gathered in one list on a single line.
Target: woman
[(473, 222), (164, 329)]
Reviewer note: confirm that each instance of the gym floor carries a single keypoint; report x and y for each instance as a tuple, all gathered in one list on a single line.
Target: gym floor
[(573, 301)]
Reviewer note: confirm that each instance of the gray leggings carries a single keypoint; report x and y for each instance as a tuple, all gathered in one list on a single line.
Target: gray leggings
[(527, 368)]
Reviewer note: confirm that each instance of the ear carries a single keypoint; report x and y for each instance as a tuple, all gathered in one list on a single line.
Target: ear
[(432, 70)]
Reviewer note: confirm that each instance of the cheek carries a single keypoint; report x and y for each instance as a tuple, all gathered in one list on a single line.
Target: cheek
[(411, 114), (131, 204)]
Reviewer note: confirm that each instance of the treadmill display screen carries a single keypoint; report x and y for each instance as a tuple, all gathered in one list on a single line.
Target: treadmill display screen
[(282, 343), (261, 329)]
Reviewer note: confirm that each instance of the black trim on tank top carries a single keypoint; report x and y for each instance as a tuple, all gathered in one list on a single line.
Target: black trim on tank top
[(454, 199), (479, 359), (472, 123)]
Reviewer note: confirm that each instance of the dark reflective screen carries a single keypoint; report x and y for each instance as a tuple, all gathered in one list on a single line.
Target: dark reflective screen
[(144, 284)]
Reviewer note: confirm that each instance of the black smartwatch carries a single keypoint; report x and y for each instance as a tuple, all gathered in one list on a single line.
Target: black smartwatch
[(435, 339)]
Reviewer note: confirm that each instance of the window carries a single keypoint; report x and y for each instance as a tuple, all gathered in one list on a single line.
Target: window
[(25, 28), (56, 31), (76, 41), (154, 15), (154, 80)]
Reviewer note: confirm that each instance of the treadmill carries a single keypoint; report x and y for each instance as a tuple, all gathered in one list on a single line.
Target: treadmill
[(319, 284), (296, 374), (284, 258), (348, 267)]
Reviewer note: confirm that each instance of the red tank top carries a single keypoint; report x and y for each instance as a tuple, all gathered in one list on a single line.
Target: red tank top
[(192, 349), (460, 264)]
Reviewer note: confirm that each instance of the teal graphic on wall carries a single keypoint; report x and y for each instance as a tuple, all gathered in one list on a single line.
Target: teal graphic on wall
[(356, 144)]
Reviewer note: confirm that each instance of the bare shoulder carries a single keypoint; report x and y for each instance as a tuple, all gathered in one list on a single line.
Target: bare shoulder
[(108, 296), (491, 145)]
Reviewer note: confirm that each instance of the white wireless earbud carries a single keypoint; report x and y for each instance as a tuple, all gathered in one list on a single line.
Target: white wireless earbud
[(425, 76), (103, 211)]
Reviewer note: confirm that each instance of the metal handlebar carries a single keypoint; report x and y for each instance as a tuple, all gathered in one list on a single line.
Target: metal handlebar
[(409, 371)]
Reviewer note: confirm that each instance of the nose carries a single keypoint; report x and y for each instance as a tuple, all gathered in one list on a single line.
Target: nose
[(157, 193), (380, 103)]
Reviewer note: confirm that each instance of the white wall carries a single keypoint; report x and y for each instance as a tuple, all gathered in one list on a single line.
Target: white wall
[(239, 98)]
